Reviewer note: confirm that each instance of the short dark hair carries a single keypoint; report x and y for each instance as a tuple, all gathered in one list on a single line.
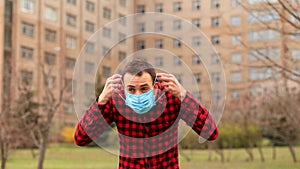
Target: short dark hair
[(137, 67)]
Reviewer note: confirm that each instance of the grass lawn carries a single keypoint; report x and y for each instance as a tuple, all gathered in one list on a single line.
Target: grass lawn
[(64, 156)]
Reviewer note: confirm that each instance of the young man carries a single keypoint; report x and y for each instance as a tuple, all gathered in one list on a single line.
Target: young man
[(146, 112)]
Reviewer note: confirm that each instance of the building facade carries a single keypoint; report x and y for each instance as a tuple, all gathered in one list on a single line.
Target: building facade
[(47, 36)]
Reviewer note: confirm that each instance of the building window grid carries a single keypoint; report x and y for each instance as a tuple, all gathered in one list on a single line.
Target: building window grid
[(196, 41), (196, 5), (215, 39), (159, 61), (197, 77), (122, 19), (71, 20), (235, 20), (73, 2), (90, 47), (70, 63), (141, 9), (122, 37), (196, 60), (177, 6), (140, 45), (71, 42), (235, 95), (50, 13), (90, 6), (106, 71), (196, 22), (215, 77), (177, 61), (89, 26), (159, 7), (121, 55), (236, 39), (28, 29), (49, 81), (215, 4), (159, 44), (27, 52), (89, 68), (141, 27), (215, 59), (106, 13), (236, 76), (177, 25), (27, 5), (215, 22), (236, 58), (50, 58), (50, 35), (159, 26), (235, 3), (106, 32), (26, 77), (176, 43)]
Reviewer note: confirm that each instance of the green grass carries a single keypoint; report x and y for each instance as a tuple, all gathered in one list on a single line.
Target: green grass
[(64, 156)]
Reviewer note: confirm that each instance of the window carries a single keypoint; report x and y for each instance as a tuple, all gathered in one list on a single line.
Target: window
[(159, 44), (177, 6), (27, 29), (26, 52), (215, 39), (89, 89), (235, 20), (50, 58), (295, 54), (106, 71), (70, 63), (89, 26), (236, 58), (196, 41), (26, 77), (73, 2), (122, 55), (50, 13), (122, 19), (122, 37), (177, 60), (140, 45), (141, 9), (105, 51), (8, 11), (196, 5), (140, 27), (71, 20), (262, 35), (106, 13), (216, 96), (197, 77), (215, 22), (295, 35), (235, 39), (106, 32), (159, 61), (122, 3), (178, 77), (159, 26), (49, 81), (27, 6), (90, 6), (236, 76), (159, 7), (262, 73), (71, 42), (8, 36), (215, 77), (235, 94), (196, 60), (263, 53), (235, 3), (90, 47), (68, 84), (215, 59), (177, 25), (266, 15), (89, 68), (50, 35), (196, 22), (261, 1), (215, 4), (176, 43)]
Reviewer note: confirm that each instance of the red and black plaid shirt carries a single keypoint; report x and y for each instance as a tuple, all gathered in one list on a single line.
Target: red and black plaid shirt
[(148, 140)]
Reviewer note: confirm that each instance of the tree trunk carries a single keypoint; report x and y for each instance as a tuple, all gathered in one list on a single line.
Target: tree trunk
[(274, 152), (292, 152), (262, 158), (250, 153), (42, 152), (4, 154)]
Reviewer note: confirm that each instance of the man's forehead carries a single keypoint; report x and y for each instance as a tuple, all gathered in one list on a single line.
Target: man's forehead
[(144, 79)]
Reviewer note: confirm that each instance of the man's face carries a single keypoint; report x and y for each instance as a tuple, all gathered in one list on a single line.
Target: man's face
[(138, 84)]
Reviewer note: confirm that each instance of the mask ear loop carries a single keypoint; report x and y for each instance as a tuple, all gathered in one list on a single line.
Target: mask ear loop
[(124, 91), (155, 80)]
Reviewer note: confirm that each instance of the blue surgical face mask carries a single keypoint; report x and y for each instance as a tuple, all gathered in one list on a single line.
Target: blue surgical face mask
[(142, 103)]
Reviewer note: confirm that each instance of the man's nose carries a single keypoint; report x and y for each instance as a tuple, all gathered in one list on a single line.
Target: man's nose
[(138, 92)]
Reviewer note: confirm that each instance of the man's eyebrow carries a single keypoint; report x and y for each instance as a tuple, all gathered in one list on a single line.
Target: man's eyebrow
[(130, 86), (145, 85)]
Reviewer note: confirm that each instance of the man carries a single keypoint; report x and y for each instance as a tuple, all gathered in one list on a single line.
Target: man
[(146, 111)]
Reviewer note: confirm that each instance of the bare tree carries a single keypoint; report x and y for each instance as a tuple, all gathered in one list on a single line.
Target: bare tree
[(280, 117)]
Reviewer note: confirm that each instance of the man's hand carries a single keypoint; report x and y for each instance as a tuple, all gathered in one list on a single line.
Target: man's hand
[(169, 83), (112, 85)]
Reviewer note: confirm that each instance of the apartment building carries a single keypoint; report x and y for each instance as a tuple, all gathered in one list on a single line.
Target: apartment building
[(42, 34)]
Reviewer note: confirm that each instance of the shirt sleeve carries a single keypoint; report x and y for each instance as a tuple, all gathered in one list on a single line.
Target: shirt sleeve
[(198, 117), (93, 123)]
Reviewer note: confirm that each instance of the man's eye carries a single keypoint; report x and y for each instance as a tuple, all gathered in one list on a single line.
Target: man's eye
[(131, 89), (144, 89)]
